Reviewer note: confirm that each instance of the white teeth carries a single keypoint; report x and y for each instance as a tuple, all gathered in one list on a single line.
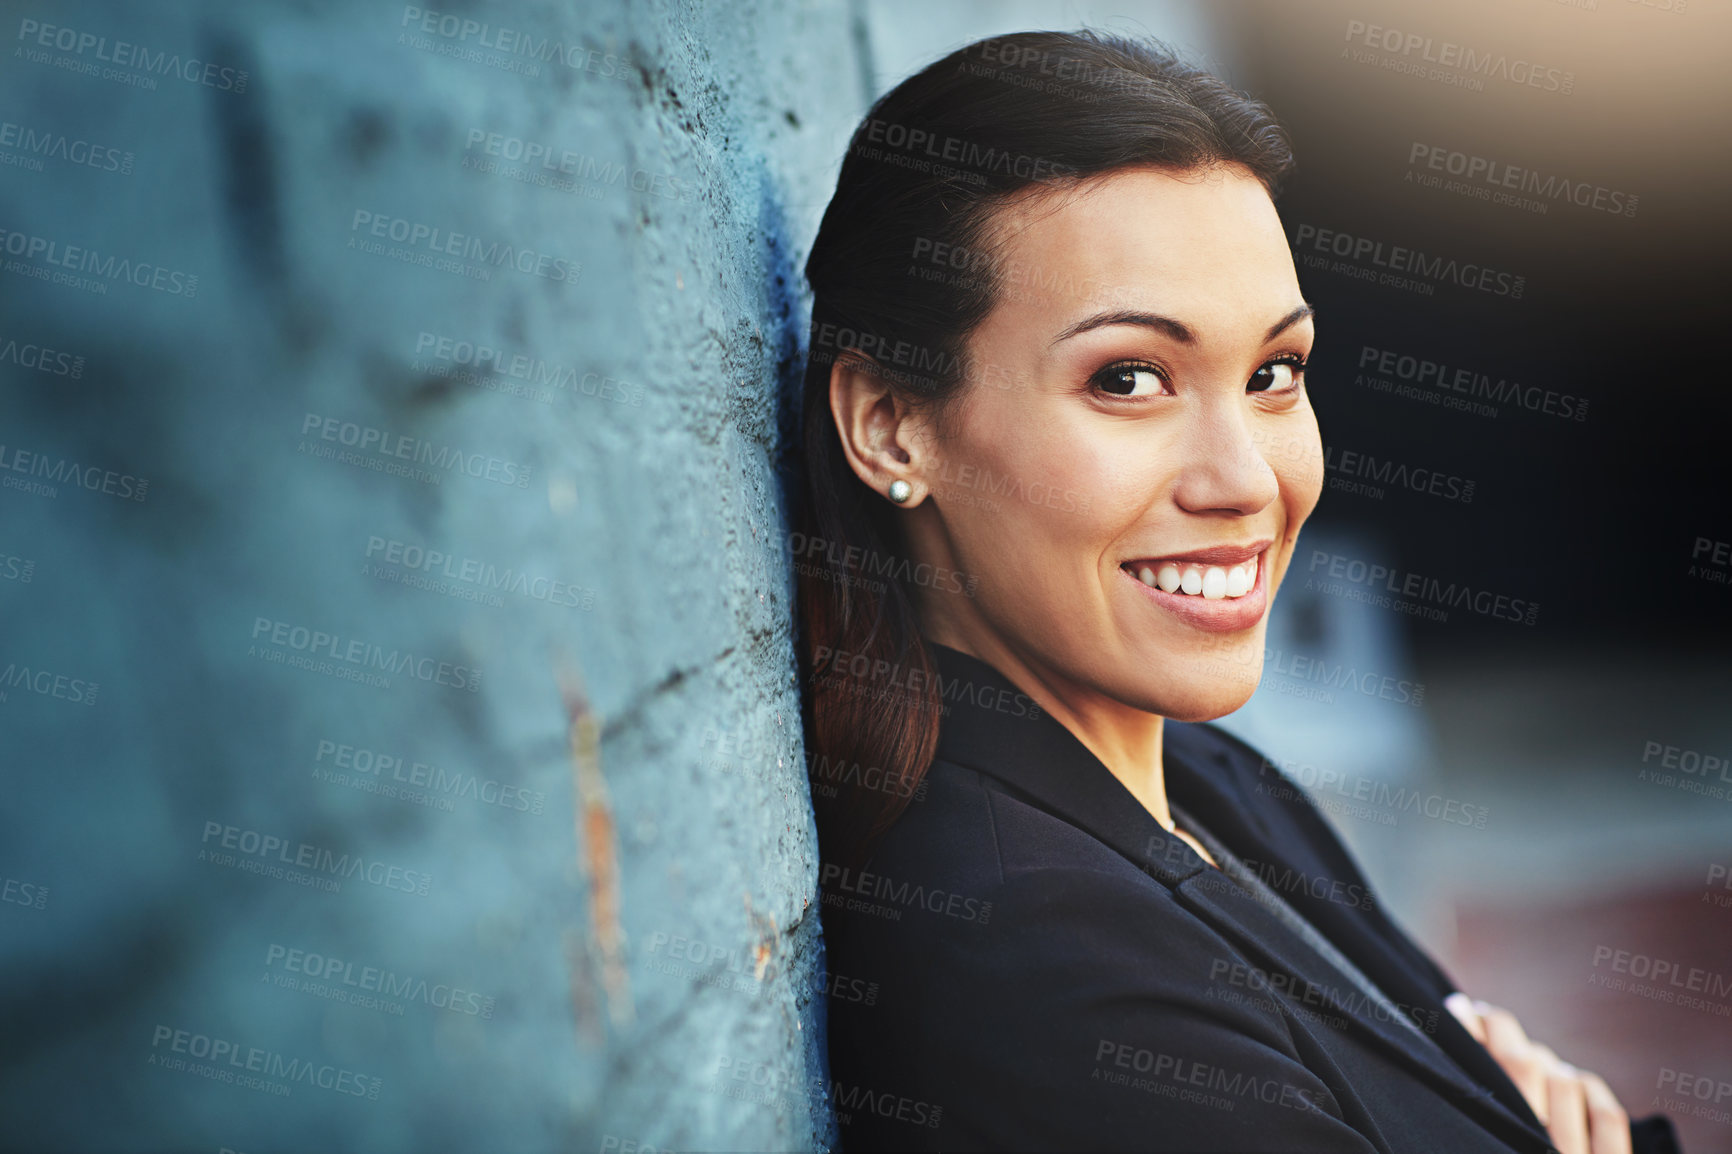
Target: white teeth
[(1211, 582)]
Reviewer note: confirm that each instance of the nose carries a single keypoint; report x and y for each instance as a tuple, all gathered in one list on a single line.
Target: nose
[(1224, 470)]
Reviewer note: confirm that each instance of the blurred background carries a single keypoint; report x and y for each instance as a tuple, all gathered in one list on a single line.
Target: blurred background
[(397, 710)]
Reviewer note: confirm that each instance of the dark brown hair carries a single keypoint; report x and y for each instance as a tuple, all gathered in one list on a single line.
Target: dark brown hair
[(925, 173)]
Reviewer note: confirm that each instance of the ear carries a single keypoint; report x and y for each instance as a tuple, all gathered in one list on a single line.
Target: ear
[(882, 436)]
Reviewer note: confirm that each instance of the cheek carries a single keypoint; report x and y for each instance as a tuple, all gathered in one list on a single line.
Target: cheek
[(1300, 474), (1039, 474), (1030, 511)]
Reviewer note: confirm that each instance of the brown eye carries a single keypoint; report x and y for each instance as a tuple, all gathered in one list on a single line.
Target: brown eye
[(1129, 381), (1277, 377)]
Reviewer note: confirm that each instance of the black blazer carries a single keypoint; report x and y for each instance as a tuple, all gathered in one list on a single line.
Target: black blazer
[(1027, 960)]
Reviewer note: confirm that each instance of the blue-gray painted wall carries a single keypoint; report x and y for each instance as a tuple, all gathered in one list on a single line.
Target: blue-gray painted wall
[(553, 886)]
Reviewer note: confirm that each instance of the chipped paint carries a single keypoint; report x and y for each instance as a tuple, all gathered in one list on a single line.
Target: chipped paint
[(597, 848)]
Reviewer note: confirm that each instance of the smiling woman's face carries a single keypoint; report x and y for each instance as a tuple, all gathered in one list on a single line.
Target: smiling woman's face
[(1156, 427)]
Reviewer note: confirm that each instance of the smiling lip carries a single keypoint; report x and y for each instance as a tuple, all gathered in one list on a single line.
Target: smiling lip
[(1214, 555), (1222, 615)]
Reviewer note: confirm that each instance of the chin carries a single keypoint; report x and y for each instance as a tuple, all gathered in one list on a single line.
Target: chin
[(1210, 689), (1205, 706)]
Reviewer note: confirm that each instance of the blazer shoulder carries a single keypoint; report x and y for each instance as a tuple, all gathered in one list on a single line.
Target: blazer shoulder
[(1207, 742), (1235, 779), (970, 824), (1051, 886)]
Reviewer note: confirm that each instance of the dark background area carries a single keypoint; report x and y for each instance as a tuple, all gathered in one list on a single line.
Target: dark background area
[(1596, 518)]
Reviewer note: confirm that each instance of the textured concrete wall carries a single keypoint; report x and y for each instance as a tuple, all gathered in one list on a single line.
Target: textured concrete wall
[(400, 740)]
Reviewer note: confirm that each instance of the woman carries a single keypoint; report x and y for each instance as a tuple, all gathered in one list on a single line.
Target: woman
[(1059, 451)]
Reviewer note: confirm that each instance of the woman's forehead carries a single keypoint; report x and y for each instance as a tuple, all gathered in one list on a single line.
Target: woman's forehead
[(1202, 243), (1177, 212)]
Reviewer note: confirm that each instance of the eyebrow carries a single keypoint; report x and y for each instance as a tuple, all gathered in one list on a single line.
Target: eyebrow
[(1178, 330)]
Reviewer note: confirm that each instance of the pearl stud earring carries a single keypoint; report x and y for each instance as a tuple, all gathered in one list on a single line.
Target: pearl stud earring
[(900, 490)]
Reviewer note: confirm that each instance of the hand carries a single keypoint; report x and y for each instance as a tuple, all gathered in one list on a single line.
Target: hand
[(1579, 1110)]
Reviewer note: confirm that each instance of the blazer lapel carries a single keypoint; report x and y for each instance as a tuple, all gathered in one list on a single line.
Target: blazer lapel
[(1267, 943), (1041, 761), (1204, 775)]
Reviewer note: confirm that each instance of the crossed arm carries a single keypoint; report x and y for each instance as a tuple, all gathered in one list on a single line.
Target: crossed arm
[(1580, 1112)]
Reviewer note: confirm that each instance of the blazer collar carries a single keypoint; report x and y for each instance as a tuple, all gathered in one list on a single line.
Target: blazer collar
[(992, 727)]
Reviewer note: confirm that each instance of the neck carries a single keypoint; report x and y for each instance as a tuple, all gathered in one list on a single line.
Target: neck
[(1126, 740)]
